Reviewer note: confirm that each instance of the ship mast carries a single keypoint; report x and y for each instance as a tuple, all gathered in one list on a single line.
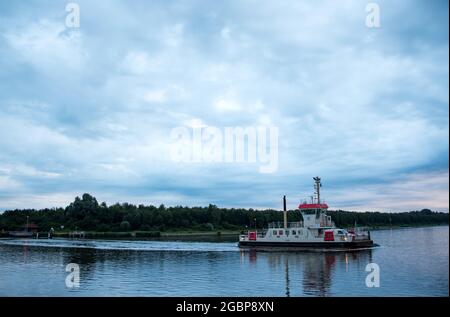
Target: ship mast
[(284, 212)]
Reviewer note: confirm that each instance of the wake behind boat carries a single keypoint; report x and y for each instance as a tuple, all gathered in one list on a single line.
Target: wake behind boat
[(317, 230)]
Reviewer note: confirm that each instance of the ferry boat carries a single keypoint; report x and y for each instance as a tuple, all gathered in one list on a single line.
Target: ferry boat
[(317, 230), (26, 231)]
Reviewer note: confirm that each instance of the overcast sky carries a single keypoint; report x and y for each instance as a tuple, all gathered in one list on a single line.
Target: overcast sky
[(91, 109)]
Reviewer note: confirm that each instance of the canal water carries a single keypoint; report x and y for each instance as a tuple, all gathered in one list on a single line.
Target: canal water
[(411, 262)]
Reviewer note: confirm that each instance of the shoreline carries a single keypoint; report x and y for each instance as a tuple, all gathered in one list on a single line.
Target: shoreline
[(190, 234)]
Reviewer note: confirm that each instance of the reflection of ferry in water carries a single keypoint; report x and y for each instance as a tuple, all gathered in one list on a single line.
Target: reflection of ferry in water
[(315, 274), (317, 230)]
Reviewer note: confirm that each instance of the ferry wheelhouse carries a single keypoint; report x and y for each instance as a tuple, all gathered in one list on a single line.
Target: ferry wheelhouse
[(317, 230)]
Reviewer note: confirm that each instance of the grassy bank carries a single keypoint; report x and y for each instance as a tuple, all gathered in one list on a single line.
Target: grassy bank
[(406, 226), (190, 234), (141, 234), (149, 234)]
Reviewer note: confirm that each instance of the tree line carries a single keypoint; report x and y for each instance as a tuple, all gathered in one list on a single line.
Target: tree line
[(86, 213)]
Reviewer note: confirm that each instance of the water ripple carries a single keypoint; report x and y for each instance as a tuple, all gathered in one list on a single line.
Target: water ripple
[(124, 245)]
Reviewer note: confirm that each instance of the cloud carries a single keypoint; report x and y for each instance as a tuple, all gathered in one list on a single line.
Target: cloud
[(226, 105), (91, 109), (48, 46), (412, 192), (137, 63)]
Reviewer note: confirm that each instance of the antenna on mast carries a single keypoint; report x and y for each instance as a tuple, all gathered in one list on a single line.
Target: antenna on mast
[(317, 186)]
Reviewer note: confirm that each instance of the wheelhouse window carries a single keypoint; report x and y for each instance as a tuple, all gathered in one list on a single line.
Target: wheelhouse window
[(274, 232), (280, 232), (294, 232)]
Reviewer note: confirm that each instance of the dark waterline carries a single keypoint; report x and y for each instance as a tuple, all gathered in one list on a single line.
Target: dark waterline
[(413, 262)]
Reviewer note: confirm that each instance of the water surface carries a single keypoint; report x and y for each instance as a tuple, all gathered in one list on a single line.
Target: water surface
[(413, 262)]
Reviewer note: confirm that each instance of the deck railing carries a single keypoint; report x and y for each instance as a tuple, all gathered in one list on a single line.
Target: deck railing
[(280, 224)]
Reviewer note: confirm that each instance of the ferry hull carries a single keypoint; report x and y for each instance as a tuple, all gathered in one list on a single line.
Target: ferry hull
[(307, 245)]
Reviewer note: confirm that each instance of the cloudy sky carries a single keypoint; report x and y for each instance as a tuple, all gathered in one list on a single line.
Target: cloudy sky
[(91, 109)]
